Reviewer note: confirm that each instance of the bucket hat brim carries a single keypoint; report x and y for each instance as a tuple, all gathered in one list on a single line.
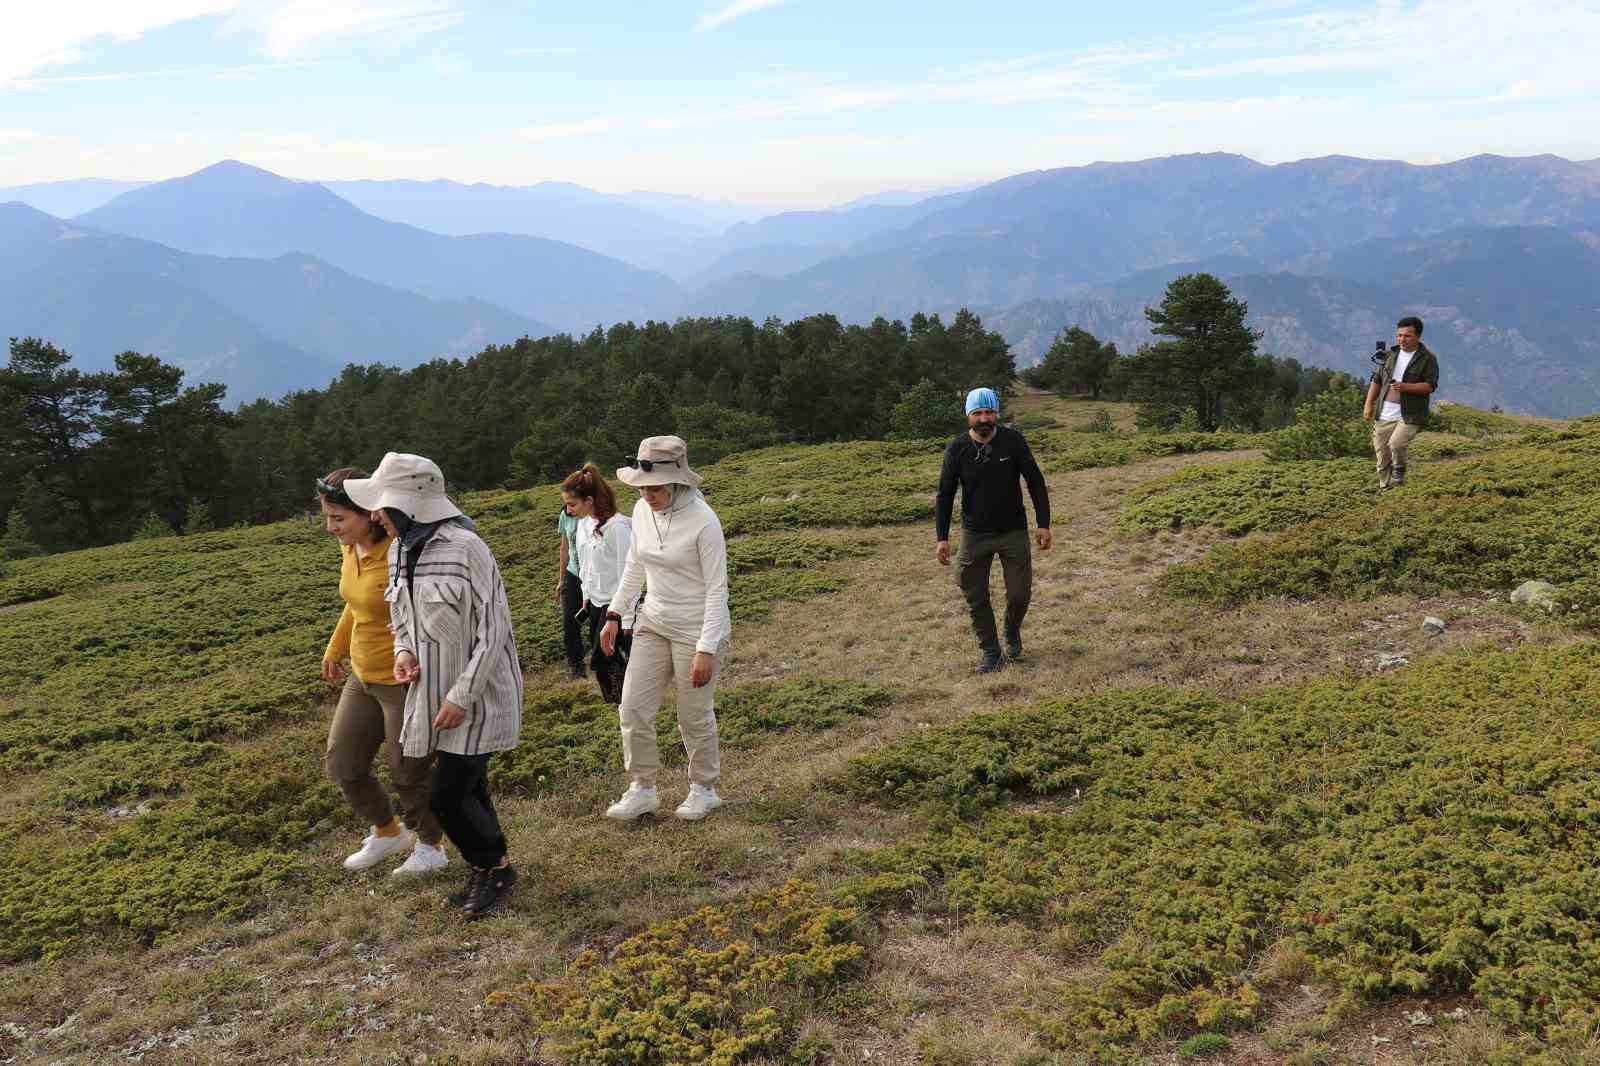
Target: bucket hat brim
[(399, 483)]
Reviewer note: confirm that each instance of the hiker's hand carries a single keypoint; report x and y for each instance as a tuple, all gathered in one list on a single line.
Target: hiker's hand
[(332, 671), (449, 716), (1042, 538), (1366, 414), (941, 552), (700, 672), (608, 637), (406, 669), (559, 581)]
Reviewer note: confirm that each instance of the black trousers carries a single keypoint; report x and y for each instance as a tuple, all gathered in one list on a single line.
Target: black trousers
[(608, 669), (571, 628), (460, 800)]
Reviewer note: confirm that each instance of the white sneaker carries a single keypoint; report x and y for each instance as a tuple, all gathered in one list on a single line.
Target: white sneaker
[(375, 849), (424, 859), (700, 802), (634, 802)]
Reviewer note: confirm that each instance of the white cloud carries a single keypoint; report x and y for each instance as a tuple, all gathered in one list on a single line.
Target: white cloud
[(248, 70), (736, 9), (295, 27), (56, 33), (61, 32), (545, 51), (550, 131)]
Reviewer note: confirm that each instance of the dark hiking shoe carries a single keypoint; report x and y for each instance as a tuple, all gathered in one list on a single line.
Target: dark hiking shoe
[(494, 886), (990, 663), (1014, 646), (460, 897), (1399, 476)]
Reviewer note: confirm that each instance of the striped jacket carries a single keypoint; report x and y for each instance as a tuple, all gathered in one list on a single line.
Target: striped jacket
[(457, 622)]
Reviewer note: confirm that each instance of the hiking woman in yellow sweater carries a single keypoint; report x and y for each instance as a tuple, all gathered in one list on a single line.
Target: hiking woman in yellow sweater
[(372, 706)]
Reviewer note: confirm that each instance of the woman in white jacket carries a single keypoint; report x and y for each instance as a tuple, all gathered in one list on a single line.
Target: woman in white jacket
[(603, 540), (681, 631)]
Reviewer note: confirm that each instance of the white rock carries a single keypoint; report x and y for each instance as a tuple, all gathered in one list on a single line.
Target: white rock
[(1538, 594), (1433, 626)]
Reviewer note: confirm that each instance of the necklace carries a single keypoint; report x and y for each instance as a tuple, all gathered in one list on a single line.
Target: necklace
[(661, 536)]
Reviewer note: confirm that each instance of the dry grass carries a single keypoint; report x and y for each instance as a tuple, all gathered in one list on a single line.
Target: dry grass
[(360, 969)]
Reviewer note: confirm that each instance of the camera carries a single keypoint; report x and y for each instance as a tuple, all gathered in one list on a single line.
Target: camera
[(1380, 354)]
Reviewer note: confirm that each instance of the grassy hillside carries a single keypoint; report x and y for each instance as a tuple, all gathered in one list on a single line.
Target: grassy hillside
[(1202, 813)]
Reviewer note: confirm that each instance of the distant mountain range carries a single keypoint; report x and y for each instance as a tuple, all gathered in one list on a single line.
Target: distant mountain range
[(1513, 312), (259, 326), (67, 198), (1499, 254), (231, 209)]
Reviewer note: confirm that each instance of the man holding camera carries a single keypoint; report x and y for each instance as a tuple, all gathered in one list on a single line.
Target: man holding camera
[(1408, 376)]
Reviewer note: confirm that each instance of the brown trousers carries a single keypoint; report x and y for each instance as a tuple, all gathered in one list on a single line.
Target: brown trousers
[(368, 715)]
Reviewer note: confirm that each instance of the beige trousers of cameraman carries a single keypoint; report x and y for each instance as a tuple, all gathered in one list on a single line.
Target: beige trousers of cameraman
[(1391, 441), (654, 664)]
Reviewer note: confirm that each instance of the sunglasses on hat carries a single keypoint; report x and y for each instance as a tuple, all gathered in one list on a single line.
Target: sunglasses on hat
[(648, 465)]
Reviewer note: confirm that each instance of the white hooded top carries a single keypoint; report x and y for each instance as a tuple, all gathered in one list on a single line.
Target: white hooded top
[(680, 560), (601, 557)]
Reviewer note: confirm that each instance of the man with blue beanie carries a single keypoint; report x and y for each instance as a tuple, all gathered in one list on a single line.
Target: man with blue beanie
[(990, 461)]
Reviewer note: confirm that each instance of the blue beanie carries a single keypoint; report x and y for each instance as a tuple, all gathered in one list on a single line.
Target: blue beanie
[(982, 398)]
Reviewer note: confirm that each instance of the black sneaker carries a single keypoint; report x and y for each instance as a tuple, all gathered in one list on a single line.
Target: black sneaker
[(990, 663), (467, 891), (493, 886), (1014, 646)]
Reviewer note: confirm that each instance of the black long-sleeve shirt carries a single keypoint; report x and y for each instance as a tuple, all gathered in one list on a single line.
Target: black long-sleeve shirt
[(991, 491)]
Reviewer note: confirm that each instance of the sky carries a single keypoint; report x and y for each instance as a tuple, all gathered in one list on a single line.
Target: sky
[(778, 103)]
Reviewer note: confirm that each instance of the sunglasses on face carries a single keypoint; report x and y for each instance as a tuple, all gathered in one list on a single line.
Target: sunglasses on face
[(648, 465), (333, 493)]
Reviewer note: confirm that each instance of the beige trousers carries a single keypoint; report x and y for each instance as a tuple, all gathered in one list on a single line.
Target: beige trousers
[(1391, 441), (654, 664)]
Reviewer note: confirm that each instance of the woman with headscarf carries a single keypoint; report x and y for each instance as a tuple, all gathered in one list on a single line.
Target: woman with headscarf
[(603, 540), (681, 632), (453, 646), (372, 705)]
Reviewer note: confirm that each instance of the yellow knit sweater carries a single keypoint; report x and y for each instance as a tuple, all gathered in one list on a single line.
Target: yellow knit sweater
[(363, 629)]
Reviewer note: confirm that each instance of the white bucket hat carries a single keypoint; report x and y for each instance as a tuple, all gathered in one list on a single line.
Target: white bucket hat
[(408, 483), (661, 461)]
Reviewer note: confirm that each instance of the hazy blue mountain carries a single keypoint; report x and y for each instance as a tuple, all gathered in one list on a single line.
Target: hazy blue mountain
[(259, 326), (1513, 312), (67, 198), (902, 197), (232, 209), (791, 242), (712, 214), (1055, 233), (560, 211)]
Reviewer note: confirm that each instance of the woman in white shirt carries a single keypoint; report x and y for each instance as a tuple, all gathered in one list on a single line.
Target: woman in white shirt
[(681, 561), (603, 540)]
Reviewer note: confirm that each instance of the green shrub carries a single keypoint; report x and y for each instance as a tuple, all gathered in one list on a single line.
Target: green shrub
[(153, 527), (1328, 426), (1202, 1044), (1435, 830), (720, 986), (925, 411), (1100, 422)]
